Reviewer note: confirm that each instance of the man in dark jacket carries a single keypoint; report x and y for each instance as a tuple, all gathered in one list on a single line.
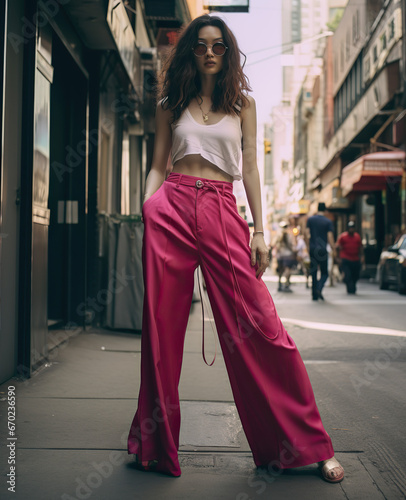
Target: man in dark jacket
[(319, 232)]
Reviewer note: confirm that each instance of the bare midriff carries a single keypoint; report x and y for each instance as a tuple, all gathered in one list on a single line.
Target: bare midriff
[(198, 166)]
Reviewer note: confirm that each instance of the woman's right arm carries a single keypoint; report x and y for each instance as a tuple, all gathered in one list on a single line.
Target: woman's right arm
[(162, 147)]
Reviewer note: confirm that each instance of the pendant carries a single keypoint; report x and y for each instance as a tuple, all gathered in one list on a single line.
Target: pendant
[(205, 118)]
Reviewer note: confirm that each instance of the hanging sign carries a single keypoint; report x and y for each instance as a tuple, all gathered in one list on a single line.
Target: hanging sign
[(227, 5)]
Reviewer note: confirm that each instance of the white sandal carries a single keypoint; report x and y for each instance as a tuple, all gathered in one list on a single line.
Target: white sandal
[(331, 470)]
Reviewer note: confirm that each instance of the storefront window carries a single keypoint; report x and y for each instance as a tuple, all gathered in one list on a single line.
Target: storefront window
[(368, 220)]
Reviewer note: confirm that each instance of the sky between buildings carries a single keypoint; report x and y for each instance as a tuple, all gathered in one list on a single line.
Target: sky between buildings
[(260, 29)]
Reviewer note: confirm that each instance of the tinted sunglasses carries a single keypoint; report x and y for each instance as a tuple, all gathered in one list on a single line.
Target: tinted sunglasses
[(218, 49)]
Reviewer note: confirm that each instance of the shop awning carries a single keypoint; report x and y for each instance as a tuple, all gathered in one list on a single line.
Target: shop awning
[(371, 172)]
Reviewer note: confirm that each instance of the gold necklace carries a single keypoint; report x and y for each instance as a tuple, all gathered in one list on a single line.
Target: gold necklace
[(205, 115)]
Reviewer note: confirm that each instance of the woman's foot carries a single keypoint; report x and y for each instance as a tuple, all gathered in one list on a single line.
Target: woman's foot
[(152, 466), (147, 466), (331, 470)]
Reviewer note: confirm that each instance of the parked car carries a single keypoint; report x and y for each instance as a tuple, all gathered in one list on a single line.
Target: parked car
[(392, 266)]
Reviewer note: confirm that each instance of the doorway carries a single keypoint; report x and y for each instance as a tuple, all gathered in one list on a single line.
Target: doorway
[(67, 192)]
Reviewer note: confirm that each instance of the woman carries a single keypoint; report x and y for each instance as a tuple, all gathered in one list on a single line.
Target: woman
[(285, 253), (190, 219), (303, 256)]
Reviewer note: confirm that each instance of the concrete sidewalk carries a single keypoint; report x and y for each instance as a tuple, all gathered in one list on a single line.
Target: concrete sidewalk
[(73, 419)]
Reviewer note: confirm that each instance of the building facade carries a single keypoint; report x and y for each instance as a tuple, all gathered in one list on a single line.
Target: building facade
[(365, 155), (348, 102), (305, 34), (77, 138)]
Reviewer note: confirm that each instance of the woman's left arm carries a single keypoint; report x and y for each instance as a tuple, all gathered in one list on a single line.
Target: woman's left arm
[(251, 181)]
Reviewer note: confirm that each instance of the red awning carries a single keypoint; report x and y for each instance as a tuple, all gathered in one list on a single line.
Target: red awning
[(372, 171)]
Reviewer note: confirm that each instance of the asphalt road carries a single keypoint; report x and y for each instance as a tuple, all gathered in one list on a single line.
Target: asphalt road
[(355, 351)]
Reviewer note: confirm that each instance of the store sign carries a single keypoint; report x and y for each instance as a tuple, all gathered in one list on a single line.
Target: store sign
[(300, 207), (384, 167), (304, 206), (227, 5)]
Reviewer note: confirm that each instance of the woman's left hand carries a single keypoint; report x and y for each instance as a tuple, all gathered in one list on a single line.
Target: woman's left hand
[(260, 249)]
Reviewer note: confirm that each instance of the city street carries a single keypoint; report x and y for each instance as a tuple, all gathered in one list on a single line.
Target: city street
[(140, 138), (73, 417), (357, 367)]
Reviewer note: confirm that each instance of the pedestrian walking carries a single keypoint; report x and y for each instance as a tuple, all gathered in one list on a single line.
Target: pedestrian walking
[(286, 257), (319, 232), (330, 264), (208, 122), (302, 255), (351, 254), (270, 254)]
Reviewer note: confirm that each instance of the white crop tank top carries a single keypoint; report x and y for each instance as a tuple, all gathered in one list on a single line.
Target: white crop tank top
[(219, 143)]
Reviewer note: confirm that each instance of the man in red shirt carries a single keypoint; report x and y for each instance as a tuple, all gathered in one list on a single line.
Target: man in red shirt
[(349, 245)]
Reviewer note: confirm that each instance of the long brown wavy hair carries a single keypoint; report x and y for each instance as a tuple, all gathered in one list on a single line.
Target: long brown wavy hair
[(179, 81)]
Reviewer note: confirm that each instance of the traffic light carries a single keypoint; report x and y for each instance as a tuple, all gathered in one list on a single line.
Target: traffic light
[(267, 146)]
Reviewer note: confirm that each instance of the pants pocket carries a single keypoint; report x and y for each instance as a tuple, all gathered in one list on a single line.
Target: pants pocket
[(152, 198)]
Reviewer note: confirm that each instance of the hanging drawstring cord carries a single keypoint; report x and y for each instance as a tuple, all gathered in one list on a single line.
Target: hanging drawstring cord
[(236, 284), (233, 271), (215, 342)]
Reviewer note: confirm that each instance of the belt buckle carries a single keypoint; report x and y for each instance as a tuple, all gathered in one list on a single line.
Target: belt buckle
[(199, 183)]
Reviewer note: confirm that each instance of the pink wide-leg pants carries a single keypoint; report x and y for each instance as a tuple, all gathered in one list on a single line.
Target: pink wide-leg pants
[(191, 221)]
